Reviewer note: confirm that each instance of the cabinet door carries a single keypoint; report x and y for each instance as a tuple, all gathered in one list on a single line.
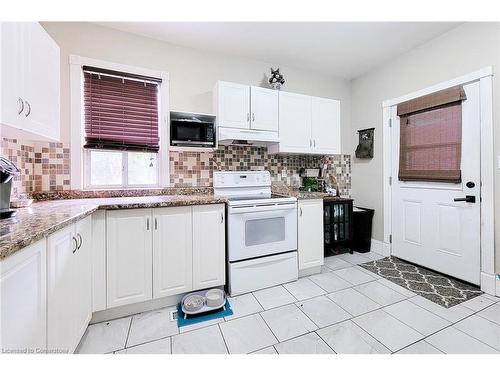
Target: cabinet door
[(12, 73), (62, 297), (264, 108), (172, 251), (310, 233), (294, 123), (233, 105), (83, 282), (42, 83), (129, 256), (23, 298), (326, 126), (209, 253)]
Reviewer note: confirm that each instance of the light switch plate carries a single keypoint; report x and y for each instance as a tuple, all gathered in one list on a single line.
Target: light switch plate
[(283, 173)]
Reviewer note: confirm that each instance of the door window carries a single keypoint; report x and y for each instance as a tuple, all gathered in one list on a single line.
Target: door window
[(431, 137)]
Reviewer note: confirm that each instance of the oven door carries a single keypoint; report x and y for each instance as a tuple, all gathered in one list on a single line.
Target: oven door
[(255, 231)]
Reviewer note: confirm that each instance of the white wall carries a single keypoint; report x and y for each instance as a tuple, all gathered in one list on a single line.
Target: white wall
[(192, 73), (462, 50)]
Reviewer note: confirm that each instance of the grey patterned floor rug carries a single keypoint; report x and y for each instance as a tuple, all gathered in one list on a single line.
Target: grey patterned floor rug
[(443, 290)]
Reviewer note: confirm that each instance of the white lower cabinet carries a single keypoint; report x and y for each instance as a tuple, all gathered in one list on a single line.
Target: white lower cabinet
[(69, 285), (172, 251), (209, 254), (129, 256), (310, 233), (160, 252), (23, 300)]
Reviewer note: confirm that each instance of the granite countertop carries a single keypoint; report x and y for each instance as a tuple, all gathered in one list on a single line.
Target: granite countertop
[(286, 190), (45, 217)]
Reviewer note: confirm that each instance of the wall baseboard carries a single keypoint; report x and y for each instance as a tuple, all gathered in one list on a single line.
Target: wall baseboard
[(488, 283), (380, 247)]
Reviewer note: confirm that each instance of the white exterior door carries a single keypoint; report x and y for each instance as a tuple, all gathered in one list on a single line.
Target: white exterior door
[(264, 106), (209, 251), (172, 251), (428, 227), (233, 105), (326, 126), (295, 123), (129, 256), (310, 233)]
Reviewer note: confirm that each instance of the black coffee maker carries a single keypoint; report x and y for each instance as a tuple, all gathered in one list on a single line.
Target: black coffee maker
[(7, 171)]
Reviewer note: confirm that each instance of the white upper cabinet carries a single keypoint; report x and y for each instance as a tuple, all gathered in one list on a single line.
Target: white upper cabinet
[(307, 125), (129, 256), (232, 102), (12, 77), (325, 126), (23, 299), (264, 108), (294, 124), (172, 251), (30, 75)]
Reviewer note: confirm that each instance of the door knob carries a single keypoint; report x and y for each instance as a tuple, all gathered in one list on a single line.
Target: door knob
[(468, 199)]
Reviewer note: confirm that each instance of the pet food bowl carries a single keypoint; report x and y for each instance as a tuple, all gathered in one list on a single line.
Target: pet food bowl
[(214, 297), (193, 303)]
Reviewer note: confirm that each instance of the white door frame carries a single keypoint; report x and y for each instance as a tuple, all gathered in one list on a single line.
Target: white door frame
[(484, 76)]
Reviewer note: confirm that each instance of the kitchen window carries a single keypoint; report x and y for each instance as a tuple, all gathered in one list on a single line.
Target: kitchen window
[(119, 137)]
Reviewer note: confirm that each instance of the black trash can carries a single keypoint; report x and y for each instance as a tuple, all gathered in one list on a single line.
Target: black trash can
[(362, 229)]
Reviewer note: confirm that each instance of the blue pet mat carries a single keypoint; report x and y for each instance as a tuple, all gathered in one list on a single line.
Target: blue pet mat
[(193, 319)]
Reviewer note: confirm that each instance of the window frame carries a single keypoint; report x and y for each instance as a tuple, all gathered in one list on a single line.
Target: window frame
[(87, 168), (80, 157)]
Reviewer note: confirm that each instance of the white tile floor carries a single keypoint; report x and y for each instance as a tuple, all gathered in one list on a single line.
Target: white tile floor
[(345, 309)]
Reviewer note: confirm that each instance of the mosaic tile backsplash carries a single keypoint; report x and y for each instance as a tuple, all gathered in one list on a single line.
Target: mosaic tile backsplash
[(46, 166), (196, 168)]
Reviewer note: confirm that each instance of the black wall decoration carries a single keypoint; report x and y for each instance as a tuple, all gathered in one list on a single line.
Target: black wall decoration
[(365, 146)]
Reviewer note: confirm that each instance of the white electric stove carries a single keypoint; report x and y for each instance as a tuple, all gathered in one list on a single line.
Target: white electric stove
[(261, 231)]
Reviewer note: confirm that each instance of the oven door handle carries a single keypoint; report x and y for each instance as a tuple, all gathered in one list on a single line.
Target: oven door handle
[(257, 208)]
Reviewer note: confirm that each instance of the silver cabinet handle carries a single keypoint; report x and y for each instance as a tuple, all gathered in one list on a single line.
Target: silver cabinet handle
[(156, 223), (253, 117), (314, 142), (300, 210), (310, 143), (147, 223), (81, 241), (248, 117), (28, 106), (76, 245), (221, 217), (20, 107)]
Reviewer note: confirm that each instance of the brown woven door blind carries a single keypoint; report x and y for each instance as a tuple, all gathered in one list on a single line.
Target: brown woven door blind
[(120, 111), (431, 137)]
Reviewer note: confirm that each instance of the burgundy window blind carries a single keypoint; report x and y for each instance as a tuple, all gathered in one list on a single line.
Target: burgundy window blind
[(431, 137), (121, 111)]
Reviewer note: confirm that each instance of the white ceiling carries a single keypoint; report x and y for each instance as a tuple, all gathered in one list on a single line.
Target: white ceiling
[(341, 49)]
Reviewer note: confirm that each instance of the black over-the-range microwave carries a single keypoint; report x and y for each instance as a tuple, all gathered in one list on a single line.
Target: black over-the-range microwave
[(192, 129)]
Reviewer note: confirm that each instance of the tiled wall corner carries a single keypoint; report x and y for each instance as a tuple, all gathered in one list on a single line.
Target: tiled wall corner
[(44, 166)]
